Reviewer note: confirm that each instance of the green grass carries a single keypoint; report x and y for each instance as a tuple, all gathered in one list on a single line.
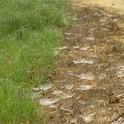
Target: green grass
[(15, 107), (29, 33)]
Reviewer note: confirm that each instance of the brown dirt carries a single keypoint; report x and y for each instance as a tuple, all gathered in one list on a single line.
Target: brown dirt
[(111, 5), (88, 77)]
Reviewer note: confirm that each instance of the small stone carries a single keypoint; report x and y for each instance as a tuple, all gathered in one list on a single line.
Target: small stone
[(69, 86), (47, 102), (66, 109), (84, 48), (91, 38), (83, 61), (43, 87), (86, 76), (76, 47), (87, 118), (57, 92), (74, 121), (62, 48), (85, 87), (67, 96), (120, 71)]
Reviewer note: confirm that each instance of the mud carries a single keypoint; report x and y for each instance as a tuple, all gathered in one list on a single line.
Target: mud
[(88, 77)]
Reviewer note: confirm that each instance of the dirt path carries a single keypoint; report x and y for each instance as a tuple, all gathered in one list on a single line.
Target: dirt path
[(111, 5), (88, 82)]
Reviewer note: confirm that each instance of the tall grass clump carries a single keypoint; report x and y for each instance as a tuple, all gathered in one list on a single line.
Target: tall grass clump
[(15, 107), (28, 36)]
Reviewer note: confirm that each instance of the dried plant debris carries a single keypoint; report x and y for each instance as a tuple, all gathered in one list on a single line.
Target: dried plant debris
[(88, 82)]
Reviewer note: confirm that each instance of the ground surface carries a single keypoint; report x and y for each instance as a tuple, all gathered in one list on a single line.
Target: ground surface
[(88, 78), (115, 5)]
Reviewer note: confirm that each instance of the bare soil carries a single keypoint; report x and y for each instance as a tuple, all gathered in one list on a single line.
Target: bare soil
[(110, 5), (88, 78)]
